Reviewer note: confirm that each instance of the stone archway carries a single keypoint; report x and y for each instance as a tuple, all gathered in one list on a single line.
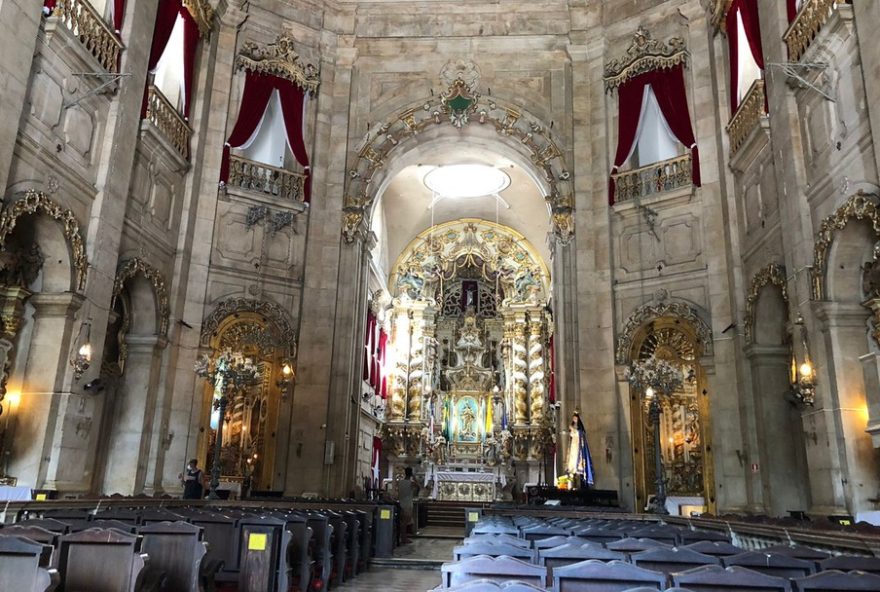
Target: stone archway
[(458, 108), (673, 330)]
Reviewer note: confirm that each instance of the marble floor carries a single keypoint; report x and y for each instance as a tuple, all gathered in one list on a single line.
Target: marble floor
[(389, 579)]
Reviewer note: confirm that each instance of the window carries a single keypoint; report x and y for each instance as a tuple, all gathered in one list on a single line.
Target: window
[(655, 141), (169, 75), (268, 144), (748, 69)]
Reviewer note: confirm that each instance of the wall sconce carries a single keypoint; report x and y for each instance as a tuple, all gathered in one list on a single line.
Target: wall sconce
[(287, 376), (803, 373), (82, 359)]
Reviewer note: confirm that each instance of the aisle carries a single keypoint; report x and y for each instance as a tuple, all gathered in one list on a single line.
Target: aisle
[(389, 579)]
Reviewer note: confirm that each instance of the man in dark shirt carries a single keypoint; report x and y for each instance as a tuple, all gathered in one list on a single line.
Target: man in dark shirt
[(192, 481)]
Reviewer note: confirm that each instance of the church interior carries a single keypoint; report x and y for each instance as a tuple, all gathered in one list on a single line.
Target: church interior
[(416, 294)]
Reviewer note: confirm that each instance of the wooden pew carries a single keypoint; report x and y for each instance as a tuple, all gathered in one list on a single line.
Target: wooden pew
[(49, 524), (501, 539), (337, 542), (713, 578), (836, 581), (598, 576), (264, 545), (771, 564), (494, 550), (575, 553), (322, 535), (36, 534), (299, 556), (671, 560), (850, 563), (221, 534), (24, 565), (176, 549), (366, 552), (352, 543), (498, 569), (101, 560)]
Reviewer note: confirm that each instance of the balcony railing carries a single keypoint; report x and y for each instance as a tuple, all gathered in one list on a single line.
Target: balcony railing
[(654, 178), (169, 122), (96, 36), (810, 19), (748, 116), (256, 176)]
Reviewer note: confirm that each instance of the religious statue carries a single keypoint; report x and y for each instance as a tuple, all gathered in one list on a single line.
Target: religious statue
[(579, 461), (468, 419)]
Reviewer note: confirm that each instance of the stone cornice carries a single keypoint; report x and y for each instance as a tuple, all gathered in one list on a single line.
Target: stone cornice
[(644, 54)]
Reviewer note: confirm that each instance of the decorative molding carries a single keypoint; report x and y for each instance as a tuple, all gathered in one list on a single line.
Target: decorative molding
[(459, 106), (279, 59), (202, 13), (772, 274), (37, 202), (135, 266), (279, 323), (718, 12), (662, 306), (645, 54), (860, 206)]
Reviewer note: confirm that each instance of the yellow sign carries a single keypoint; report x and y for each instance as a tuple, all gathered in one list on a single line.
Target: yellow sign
[(473, 516), (41, 497), (385, 514), (257, 542)]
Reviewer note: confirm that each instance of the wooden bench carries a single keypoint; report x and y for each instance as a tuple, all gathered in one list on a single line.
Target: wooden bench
[(497, 539), (850, 563), (100, 560), (494, 550), (837, 581), (670, 560), (37, 535), (176, 549), (715, 548), (631, 545), (575, 553), (490, 586), (714, 578), (264, 545), (24, 565), (498, 569), (599, 576), (322, 535), (781, 566)]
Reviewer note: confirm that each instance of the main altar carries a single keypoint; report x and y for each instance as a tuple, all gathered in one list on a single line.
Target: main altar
[(470, 394)]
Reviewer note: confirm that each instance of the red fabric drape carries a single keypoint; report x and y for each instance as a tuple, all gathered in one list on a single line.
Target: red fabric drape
[(257, 92), (671, 94), (629, 109), (190, 45), (49, 6), (292, 101), (748, 10), (668, 86), (166, 16), (254, 99), (118, 13), (381, 359), (369, 352), (792, 9)]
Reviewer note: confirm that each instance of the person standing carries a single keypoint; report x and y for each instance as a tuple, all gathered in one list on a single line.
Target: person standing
[(579, 461), (192, 481), (407, 490)]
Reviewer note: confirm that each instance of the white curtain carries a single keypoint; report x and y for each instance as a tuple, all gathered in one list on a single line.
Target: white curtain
[(268, 144), (168, 77), (655, 142), (748, 70)]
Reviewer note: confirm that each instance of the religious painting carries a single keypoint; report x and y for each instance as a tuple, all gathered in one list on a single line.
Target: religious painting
[(467, 420)]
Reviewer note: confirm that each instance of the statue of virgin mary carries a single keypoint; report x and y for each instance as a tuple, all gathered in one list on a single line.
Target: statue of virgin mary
[(579, 461)]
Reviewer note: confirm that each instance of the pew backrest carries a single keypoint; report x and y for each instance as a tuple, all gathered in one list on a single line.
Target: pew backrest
[(177, 550), (494, 550), (495, 539), (714, 578), (38, 535), (575, 553), (100, 560), (850, 563), (599, 576), (669, 560), (837, 581), (499, 569), (771, 564), (715, 548), (24, 565)]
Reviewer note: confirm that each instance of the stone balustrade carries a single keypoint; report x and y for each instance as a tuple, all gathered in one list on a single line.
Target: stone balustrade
[(806, 26), (257, 176), (168, 121), (751, 109), (96, 36), (654, 178)]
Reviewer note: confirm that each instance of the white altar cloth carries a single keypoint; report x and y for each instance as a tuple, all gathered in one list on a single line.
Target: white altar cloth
[(460, 477), (15, 494)]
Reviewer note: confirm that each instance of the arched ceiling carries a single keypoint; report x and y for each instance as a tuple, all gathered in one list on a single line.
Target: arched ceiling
[(403, 209)]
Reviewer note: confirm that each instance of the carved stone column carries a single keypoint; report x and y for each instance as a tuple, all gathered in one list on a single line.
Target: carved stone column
[(537, 383)]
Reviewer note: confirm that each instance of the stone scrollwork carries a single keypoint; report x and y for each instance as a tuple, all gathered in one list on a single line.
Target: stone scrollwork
[(37, 202), (662, 307), (202, 13), (280, 59), (718, 11), (460, 105), (135, 266), (860, 206), (644, 54), (278, 322), (772, 274)]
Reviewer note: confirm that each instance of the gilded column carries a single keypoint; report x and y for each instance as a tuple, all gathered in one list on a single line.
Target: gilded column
[(12, 300), (429, 365), (416, 367), (520, 370), (401, 338), (537, 387)]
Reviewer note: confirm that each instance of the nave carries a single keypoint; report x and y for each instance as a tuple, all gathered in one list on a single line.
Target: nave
[(139, 545)]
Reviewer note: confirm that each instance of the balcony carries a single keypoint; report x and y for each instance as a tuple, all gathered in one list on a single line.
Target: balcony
[(95, 35), (655, 178), (262, 178), (813, 15), (168, 121), (748, 116)]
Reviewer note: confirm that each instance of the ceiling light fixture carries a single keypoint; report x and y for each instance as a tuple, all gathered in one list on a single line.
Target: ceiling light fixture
[(466, 181)]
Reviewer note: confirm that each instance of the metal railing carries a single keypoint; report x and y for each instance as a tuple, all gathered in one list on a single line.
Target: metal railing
[(748, 116), (169, 122), (257, 176), (654, 178), (806, 26), (96, 36)]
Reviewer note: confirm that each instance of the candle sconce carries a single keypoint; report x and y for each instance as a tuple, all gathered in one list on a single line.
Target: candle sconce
[(803, 373), (82, 359)]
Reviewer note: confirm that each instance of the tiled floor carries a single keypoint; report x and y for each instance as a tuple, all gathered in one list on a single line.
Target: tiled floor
[(438, 549)]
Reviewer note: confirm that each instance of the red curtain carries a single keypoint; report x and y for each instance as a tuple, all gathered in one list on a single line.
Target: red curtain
[(629, 95), (748, 10), (49, 6), (166, 18), (118, 13), (551, 367), (792, 9), (381, 359), (369, 351), (669, 89), (257, 92)]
